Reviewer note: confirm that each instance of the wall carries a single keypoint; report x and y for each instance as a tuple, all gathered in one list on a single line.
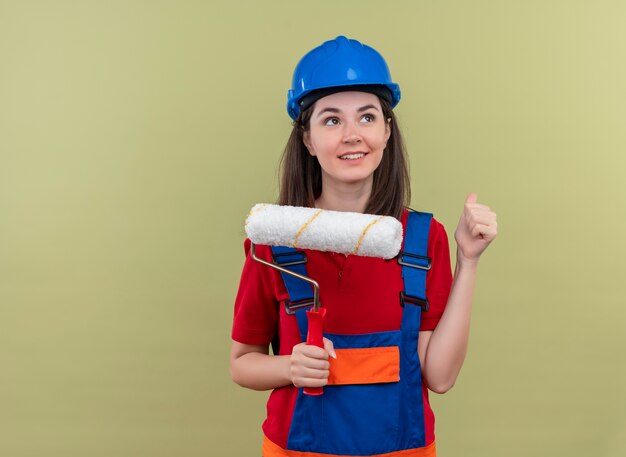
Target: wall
[(135, 136)]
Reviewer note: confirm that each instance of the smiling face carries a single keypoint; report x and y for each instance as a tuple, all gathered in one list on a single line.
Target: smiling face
[(348, 134)]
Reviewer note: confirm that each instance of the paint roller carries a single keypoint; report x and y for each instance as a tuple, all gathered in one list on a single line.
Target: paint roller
[(323, 230)]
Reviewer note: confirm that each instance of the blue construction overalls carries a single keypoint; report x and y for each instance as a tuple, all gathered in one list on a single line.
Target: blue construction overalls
[(359, 418)]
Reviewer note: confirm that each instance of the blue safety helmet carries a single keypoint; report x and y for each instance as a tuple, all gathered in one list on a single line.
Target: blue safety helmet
[(336, 65)]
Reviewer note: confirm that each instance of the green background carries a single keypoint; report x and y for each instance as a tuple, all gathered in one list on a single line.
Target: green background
[(135, 136)]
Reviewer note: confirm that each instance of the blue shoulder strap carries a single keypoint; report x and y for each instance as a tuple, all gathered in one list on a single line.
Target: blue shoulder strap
[(300, 292), (414, 259), (415, 265)]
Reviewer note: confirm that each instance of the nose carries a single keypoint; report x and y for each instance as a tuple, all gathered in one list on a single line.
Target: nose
[(351, 135)]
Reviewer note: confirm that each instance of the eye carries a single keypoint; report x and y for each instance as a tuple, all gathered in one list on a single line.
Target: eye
[(368, 118), (331, 121)]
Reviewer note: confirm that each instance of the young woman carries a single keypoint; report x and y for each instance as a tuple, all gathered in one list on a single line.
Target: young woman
[(384, 348)]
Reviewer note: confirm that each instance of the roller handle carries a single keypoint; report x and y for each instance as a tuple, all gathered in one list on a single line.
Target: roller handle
[(315, 337)]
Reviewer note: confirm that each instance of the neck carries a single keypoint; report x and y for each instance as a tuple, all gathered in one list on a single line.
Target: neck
[(344, 197)]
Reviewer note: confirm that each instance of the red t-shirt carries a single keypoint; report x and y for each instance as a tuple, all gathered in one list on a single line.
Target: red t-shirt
[(360, 294)]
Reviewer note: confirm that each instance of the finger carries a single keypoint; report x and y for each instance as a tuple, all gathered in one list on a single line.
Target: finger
[(310, 382), (313, 364), (477, 208), (483, 231), (300, 361), (310, 373), (314, 352), (309, 377), (481, 217)]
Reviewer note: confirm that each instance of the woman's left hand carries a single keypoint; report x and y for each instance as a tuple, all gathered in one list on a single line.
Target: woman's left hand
[(477, 228)]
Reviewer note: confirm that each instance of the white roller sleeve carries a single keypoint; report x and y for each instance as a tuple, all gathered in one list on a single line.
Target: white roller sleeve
[(322, 230)]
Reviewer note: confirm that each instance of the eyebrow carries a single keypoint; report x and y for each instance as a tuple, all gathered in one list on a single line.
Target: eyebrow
[(336, 110)]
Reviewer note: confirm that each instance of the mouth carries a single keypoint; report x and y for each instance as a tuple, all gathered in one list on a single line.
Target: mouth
[(352, 155)]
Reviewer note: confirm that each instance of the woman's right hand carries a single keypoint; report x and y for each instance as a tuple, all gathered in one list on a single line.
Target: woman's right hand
[(309, 365)]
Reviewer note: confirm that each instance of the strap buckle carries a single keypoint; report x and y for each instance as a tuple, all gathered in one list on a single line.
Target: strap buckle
[(287, 259), (414, 261), (292, 307), (421, 302)]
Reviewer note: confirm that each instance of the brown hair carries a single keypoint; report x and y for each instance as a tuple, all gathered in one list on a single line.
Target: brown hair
[(301, 174)]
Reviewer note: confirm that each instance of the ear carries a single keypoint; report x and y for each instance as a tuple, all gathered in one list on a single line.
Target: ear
[(306, 139), (387, 129)]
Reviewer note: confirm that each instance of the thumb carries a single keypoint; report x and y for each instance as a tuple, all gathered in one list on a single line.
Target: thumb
[(330, 348), (471, 198)]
